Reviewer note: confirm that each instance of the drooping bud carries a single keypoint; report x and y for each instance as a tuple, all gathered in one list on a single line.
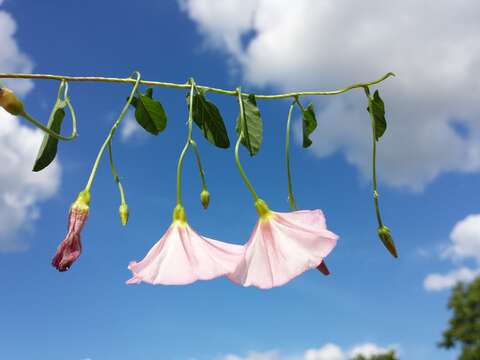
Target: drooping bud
[(71, 247), (386, 237), (10, 102), (205, 198), (124, 213)]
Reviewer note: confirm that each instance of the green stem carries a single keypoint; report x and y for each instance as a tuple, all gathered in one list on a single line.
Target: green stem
[(374, 158), (115, 174), (199, 163), (110, 134), (187, 144), (237, 146), (291, 199), (187, 85), (63, 87)]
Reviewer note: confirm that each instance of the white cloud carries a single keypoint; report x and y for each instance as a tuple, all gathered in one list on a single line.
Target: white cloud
[(309, 44), (326, 352), (21, 189), (11, 58), (465, 238), (438, 282), (129, 128)]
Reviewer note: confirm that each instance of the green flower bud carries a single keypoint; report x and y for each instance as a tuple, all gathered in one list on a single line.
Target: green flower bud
[(387, 240), (123, 212), (205, 198), (10, 102)]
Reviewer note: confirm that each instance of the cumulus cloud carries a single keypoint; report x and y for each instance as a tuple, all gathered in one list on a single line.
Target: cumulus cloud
[(20, 189), (309, 44), (437, 282), (130, 129), (11, 58), (326, 352), (465, 238)]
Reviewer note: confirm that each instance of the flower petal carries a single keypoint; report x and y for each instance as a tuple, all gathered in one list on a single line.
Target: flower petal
[(282, 247), (182, 256)]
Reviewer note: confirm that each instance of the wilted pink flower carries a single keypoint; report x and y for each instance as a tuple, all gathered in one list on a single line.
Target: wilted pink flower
[(70, 248), (182, 257), (283, 246)]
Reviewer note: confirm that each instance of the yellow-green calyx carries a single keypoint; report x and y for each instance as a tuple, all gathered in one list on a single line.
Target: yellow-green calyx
[(179, 216), (262, 209), (124, 213), (83, 201), (205, 198), (10, 102)]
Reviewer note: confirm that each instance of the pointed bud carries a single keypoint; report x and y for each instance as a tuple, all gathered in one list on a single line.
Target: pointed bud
[(10, 102), (205, 198), (123, 211), (387, 240)]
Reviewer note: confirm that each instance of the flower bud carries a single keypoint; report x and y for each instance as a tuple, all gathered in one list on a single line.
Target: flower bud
[(205, 198), (10, 102), (387, 240), (123, 211)]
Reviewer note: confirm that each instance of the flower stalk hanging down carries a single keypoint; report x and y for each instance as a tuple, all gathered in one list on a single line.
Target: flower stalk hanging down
[(182, 256), (282, 245), (70, 248), (291, 199), (376, 110)]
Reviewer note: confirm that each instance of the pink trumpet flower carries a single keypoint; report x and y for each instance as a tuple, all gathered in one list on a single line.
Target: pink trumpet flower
[(182, 256), (283, 246), (71, 247)]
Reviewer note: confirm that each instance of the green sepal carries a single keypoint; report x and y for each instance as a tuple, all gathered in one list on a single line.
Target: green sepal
[(377, 108), (208, 118), (309, 124), (48, 149), (386, 237), (149, 112), (252, 126)]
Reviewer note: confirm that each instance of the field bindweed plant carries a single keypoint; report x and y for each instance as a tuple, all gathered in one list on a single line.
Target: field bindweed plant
[(282, 245)]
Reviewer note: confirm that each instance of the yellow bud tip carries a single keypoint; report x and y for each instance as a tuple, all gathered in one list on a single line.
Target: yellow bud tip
[(205, 198), (387, 240), (82, 203), (179, 215), (124, 213), (10, 102)]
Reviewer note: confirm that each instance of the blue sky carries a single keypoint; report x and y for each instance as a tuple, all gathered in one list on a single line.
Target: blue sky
[(428, 171)]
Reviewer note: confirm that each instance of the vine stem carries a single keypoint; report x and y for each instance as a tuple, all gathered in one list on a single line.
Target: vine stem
[(237, 147), (374, 158), (187, 144), (112, 131), (188, 85), (291, 199)]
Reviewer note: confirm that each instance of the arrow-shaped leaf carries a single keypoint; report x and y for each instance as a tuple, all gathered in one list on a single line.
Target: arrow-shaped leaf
[(208, 118), (252, 126), (48, 148), (309, 124), (377, 108)]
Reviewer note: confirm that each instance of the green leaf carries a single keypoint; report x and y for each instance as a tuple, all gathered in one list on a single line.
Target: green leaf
[(377, 108), (252, 126), (48, 148), (309, 124), (149, 113), (208, 118)]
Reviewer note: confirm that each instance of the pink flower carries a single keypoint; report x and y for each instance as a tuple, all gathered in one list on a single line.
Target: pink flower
[(182, 257), (283, 246), (70, 248)]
